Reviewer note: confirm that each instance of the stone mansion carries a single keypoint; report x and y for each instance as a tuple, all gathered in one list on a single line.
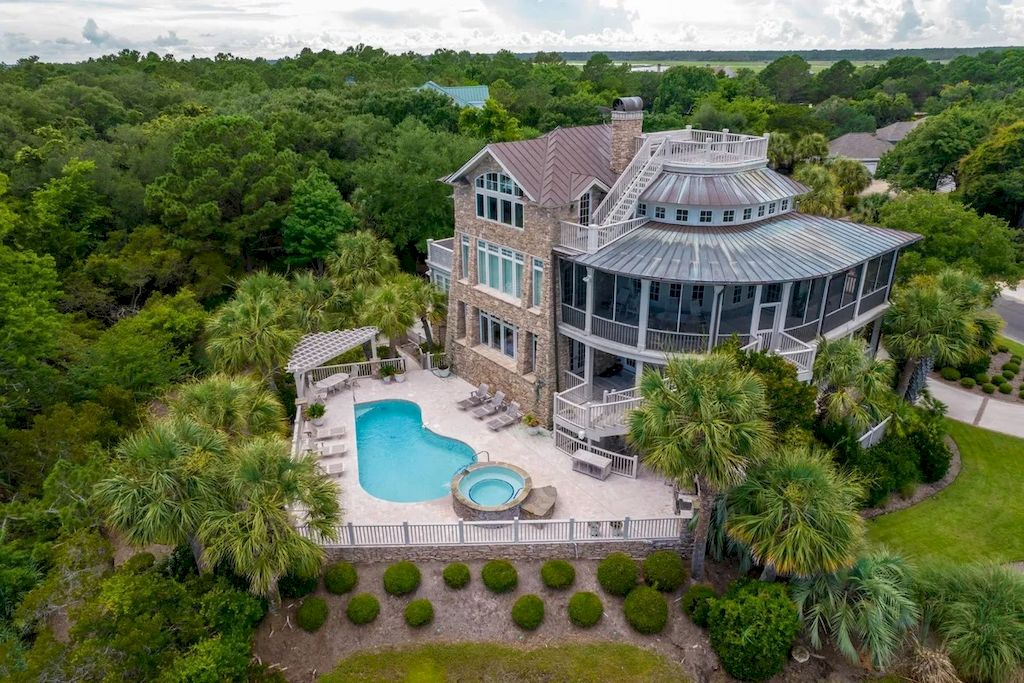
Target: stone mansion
[(583, 256)]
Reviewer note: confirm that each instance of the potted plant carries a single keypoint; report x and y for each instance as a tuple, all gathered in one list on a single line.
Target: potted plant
[(443, 368), (386, 373), (399, 374), (315, 413), (532, 423)]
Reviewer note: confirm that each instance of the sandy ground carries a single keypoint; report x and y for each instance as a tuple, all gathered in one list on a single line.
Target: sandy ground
[(475, 614)]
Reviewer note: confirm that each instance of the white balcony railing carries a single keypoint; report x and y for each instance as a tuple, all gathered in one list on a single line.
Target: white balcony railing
[(439, 254), (588, 239)]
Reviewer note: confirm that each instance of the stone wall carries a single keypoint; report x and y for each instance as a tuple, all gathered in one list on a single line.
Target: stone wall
[(626, 126)]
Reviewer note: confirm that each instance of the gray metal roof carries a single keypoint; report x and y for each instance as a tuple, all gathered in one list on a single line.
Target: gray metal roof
[(745, 188), (793, 246), (895, 132), (860, 146), (315, 349)]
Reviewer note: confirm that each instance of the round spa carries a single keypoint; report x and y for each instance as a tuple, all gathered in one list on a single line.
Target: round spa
[(489, 490)]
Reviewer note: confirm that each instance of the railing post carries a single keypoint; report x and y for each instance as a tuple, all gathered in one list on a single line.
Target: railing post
[(572, 529), (515, 529), (351, 534), (625, 528), (592, 235), (405, 532), (462, 533)]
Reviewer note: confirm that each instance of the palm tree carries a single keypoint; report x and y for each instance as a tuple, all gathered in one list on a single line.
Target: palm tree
[(705, 419), (781, 151), (798, 514), (238, 405), (361, 259), (866, 609), (431, 305), (317, 303), (390, 308), (853, 388), (825, 198)]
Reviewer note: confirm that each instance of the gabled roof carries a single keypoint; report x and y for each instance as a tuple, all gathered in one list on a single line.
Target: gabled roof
[(746, 188), (557, 167), (860, 146), (462, 95), (895, 132)]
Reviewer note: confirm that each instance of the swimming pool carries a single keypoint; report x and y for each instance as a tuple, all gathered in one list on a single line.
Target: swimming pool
[(401, 460)]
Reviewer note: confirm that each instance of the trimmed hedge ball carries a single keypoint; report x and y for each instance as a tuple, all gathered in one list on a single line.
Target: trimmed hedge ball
[(967, 382), (951, 374), (1008, 374), (646, 610), (312, 613), (1011, 366), (528, 612), (419, 613), (362, 609), (456, 575), (696, 602), (664, 570), (998, 379), (1005, 388), (988, 388), (557, 574), (981, 378), (340, 578), (499, 576), (401, 578), (1003, 348), (585, 609), (291, 586), (617, 574)]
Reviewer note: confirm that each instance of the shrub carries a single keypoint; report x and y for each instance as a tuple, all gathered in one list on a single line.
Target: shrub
[(697, 601), (138, 563), (528, 612), (988, 387), (975, 364), (231, 611), (617, 574), (934, 457), (557, 574), (752, 629), (981, 378), (585, 609), (646, 610), (1012, 366), (340, 578), (456, 575), (967, 382), (664, 570), (419, 613), (401, 578), (362, 609), (998, 379), (1021, 393), (1005, 388), (499, 576), (291, 586), (312, 613), (1007, 375), (889, 466), (951, 374), (1003, 348)]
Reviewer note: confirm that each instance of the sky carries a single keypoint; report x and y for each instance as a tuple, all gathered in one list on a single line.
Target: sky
[(58, 30)]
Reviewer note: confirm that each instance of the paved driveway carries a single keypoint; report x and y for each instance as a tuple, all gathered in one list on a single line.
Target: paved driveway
[(978, 409)]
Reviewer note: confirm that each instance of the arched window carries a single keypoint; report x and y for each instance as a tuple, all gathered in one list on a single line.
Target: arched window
[(499, 198)]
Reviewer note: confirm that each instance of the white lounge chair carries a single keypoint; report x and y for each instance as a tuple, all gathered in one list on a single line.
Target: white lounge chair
[(330, 432), (334, 449), (475, 398), (334, 469), (511, 415), (491, 407)]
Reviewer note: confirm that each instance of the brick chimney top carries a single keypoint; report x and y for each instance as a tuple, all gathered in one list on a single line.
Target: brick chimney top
[(627, 125)]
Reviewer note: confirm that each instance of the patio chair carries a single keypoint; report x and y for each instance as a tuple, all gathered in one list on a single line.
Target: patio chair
[(475, 398), (511, 415), (491, 407), (330, 433), (334, 449)]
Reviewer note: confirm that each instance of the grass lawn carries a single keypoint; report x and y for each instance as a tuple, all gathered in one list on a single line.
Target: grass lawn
[(1015, 346), (980, 516), (487, 662)]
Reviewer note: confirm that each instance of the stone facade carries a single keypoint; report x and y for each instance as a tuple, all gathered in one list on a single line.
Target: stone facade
[(626, 128)]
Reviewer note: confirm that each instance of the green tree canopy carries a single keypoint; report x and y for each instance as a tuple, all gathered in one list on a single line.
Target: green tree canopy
[(992, 176), (318, 215), (681, 87), (788, 78)]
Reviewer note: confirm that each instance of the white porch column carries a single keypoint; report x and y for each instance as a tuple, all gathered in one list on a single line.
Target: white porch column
[(589, 319), (300, 384), (755, 318), (373, 349), (645, 299), (716, 312), (639, 373), (821, 309), (780, 320)]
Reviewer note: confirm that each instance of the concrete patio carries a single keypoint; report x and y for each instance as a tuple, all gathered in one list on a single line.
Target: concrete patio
[(579, 496)]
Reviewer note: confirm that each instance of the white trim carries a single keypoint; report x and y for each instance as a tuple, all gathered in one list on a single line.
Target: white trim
[(596, 183), (465, 168)]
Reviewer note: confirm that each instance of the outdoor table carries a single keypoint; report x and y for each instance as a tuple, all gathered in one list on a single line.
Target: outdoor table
[(332, 382)]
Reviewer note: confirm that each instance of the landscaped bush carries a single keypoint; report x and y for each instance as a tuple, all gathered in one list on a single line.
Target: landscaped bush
[(998, 379), (362, 609), (528, 612), (557, 574), (1005, 388), (585, 609), (312, 613), (646, 610), (664, 570), (967, 382), (988, 388), (697, 601), (1007, 375), (340, 578), (401, 578), (499, 576), (291, 586), (1011, 367), (888, 466), (419, 613), (456, 575), (752, 628), (951, 374), (1003, 348), (981, 378), (617, 574), (138, 563)]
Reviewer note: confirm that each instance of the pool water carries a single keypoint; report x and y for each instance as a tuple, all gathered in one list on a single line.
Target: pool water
[(491, 485), (401, 460)]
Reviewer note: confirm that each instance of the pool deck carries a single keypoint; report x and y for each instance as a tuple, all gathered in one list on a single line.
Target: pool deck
[(579, 496)]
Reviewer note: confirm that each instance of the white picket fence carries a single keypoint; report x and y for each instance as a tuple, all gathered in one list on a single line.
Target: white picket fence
[(875, 434), (511, 532)]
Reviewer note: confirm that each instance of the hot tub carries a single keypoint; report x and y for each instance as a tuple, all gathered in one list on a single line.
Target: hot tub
[(489, 490)]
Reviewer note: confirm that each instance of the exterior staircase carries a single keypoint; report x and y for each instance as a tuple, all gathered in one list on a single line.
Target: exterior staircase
[(638, 176)]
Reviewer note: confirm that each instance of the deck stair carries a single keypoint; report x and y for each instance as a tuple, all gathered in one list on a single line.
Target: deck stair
[(642, 171)]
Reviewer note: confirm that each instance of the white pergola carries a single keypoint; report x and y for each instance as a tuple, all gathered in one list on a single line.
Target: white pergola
[(315, 349)]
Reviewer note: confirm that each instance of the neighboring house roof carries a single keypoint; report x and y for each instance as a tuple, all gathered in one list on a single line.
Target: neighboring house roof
[(793, 246), (462, 95), (895, 132), (732, 189), (860, 146), (557, 167)]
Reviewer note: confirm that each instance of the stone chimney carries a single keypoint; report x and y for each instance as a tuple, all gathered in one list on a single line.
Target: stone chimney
[(627, 124)]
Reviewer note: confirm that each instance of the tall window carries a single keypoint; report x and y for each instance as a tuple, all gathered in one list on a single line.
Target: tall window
[(877, 275), (842, 290), (538, 281), (585, 209), (805, 302), (465, 256), (499, 268), (498, 198), (574, 287), (498, 334)]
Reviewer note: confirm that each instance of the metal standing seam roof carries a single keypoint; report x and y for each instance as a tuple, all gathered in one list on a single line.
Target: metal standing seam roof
[(315, 349), (790, 247), (463, 95), (895, 132), (728, 189)]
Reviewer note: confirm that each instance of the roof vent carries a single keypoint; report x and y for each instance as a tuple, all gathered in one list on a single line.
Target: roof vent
[(628, 104)]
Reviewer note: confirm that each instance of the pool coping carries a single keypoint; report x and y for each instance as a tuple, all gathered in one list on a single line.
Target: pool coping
[(514, 502)]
